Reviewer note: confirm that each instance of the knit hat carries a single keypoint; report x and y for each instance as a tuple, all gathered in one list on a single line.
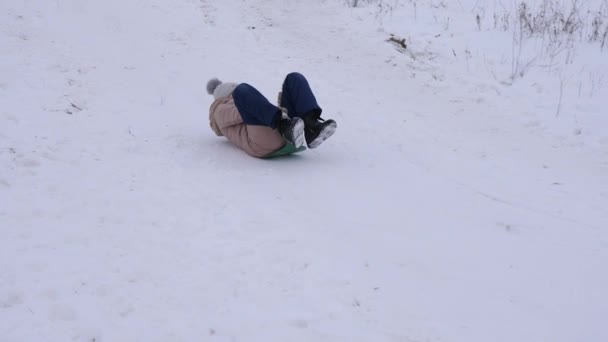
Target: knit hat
[(219, 89)]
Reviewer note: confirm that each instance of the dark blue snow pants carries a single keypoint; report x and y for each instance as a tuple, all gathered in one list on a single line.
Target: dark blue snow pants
[(296, 96)]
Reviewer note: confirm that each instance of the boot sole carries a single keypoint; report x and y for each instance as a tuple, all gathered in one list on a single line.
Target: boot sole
[(298, 132), (327, 132)]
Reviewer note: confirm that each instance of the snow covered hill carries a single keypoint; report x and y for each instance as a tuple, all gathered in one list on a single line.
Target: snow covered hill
[(458, 200)]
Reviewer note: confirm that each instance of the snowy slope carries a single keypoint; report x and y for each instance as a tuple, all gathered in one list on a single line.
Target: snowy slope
[(451, 205)]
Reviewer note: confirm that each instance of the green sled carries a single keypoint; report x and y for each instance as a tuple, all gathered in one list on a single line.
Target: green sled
[(289, 148)]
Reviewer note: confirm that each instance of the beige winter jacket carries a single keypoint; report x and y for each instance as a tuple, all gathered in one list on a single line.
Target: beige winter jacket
[(257, 141)]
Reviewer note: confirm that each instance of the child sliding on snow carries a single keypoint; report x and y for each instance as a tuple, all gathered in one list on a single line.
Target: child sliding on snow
[(244, 116)]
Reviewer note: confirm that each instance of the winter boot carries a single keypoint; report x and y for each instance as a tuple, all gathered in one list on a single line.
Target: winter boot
[(317, 130), (292, 130)]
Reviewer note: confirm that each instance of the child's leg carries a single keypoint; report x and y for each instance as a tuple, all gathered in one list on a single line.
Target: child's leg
[(297, 96), (254, 108)]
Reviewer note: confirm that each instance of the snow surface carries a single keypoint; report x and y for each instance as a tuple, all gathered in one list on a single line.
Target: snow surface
[(452, 204)]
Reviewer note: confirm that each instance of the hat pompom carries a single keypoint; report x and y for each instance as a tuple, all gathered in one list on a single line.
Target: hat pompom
[(212, 85)]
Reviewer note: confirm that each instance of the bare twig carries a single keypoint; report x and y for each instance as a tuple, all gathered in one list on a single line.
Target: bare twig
[(562, 83), (399, 42)]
